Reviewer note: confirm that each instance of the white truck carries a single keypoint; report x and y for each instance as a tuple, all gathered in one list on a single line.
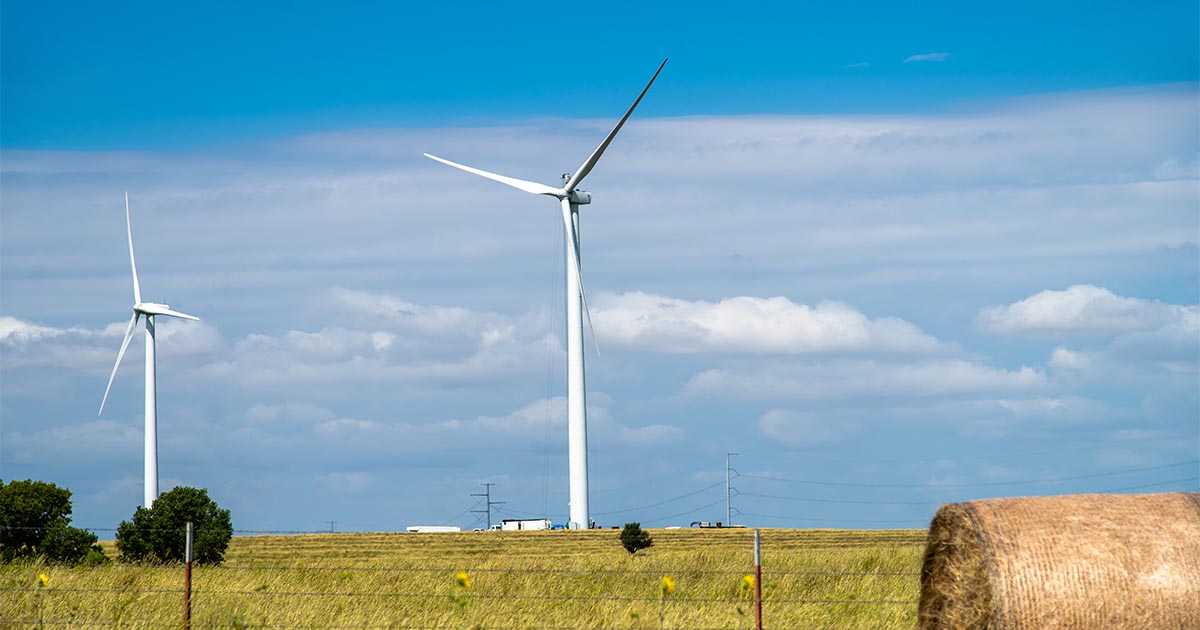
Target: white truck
[(519, 524), (432, 529)]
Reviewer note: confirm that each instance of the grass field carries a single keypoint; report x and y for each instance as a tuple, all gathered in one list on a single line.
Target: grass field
[(811, 579)]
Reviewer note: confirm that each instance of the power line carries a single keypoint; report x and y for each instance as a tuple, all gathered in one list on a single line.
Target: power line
[(811, 500), (1155, 485), (978, 484), (833, 520), (703, 507), (663, 502)]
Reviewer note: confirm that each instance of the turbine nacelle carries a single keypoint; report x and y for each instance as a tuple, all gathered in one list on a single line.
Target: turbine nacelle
[(152, 308), (578, 197)]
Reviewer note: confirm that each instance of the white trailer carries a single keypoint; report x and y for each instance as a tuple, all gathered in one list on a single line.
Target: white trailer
[(518, 524), (432, 529)]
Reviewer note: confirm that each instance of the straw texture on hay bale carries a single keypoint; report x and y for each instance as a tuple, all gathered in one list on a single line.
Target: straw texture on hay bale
[(1079, 561)]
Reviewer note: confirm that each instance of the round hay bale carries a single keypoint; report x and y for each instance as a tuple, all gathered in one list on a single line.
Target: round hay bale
[(1078, 561)]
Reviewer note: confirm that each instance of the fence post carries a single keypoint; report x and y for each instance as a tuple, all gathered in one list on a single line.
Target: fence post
[(757, 581), (187, 578)]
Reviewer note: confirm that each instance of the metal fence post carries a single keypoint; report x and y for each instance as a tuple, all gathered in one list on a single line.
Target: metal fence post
[(757, 581), (187, 578)]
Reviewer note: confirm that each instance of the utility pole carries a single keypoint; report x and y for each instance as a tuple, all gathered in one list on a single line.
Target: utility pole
[(487, 495), (331, 524), (728, 491)]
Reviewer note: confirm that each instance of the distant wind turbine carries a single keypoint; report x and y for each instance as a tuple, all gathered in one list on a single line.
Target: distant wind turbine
[(570, 198), (149, 309)]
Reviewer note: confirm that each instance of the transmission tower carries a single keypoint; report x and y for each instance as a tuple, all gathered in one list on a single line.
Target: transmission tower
[(487, 495), (729, 490)]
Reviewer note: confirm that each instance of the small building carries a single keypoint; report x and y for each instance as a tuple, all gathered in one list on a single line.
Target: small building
[(521, 524)]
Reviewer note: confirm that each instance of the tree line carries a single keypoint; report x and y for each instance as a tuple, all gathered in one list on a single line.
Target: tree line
[(35, 523)]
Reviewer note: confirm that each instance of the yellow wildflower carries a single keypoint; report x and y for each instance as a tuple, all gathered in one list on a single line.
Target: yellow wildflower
[(667, 586), (747, 585), (463, 579), (43, 580)]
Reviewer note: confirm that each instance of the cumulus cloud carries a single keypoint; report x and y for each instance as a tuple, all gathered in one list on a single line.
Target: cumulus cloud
[(1175, 345), (330, 358), (751, 325), (523, 429), (863, 379), (412, 321), (1084, 309), (936, 56), (795, 429), (1061, 409), (1067, 359), (383, 308), (31, 346), (14, 331), (289, 413)]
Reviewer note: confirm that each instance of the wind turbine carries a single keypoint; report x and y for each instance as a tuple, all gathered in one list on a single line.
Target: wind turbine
[(570, 198), (149, 309)]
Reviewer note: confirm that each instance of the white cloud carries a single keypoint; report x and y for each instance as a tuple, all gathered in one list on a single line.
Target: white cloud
[(14, 331), (398, 314), (525, 428), (19, 333), (1175, 345), (863, 379), (795, 429), (290, 413), (1083, 309), (751, 325), (377, 323), (1062, 409), (31, 345), (936, 56), (1066, 359)]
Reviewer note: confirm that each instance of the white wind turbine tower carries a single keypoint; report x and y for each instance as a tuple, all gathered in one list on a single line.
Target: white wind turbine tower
[(570, 198), (149, 309)]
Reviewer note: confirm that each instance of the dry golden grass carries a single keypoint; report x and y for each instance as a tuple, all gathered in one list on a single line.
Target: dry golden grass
[(811, 579)]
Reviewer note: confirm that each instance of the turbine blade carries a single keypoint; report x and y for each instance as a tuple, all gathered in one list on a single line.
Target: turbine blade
[(120, 355), (529, 187), (587, 165), (137, 290), (573, 247), (167, 311)]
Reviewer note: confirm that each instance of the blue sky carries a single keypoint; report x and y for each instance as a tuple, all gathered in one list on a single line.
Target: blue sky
[(893, 255)]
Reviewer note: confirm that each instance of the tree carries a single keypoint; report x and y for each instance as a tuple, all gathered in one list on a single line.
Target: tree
[(71, 545), (35, 521), (633, 537), (158, 534)]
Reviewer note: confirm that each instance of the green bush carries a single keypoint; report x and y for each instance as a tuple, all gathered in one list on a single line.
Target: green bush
[(633, 537), (71, 545), (158, 534), (35, 521)]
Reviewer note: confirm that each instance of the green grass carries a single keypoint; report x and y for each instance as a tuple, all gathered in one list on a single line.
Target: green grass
[(811, 579)]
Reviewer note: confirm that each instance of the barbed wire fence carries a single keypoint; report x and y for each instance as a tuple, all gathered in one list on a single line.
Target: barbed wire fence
[(219, 583), (224, 583)]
